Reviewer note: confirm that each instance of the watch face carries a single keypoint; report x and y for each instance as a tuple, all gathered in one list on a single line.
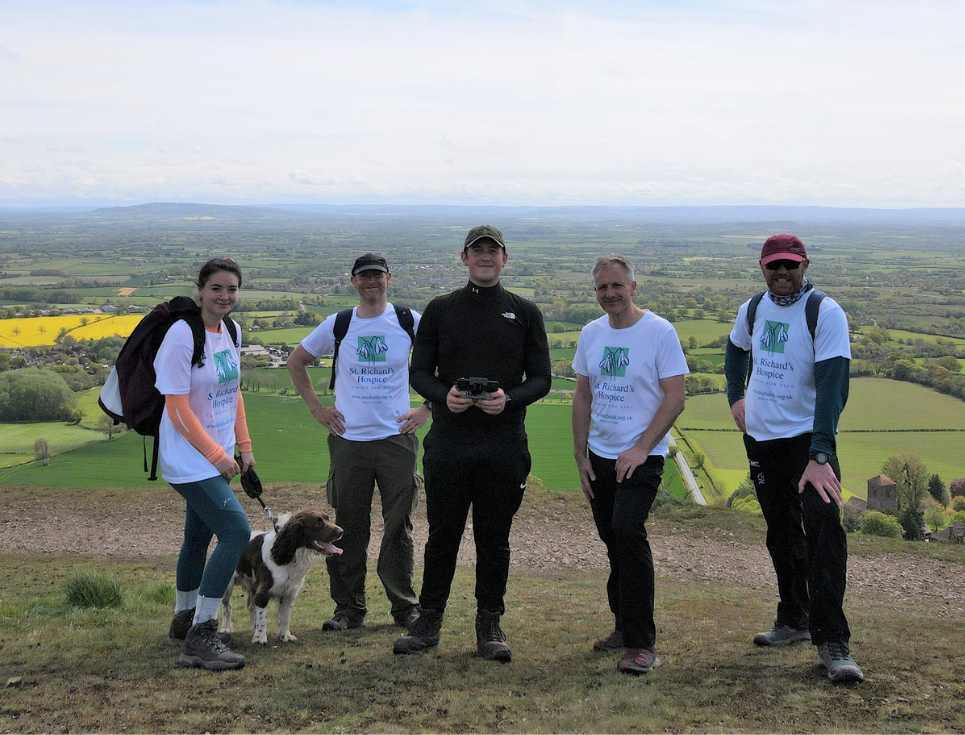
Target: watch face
[(821, 458)]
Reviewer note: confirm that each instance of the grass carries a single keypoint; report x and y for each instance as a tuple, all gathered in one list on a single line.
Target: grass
[(289, 446), (84, 670), (94, 590)]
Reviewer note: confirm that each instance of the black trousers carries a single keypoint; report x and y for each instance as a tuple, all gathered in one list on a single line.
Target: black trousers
[(620, 511), (489, 477), (807, 544)]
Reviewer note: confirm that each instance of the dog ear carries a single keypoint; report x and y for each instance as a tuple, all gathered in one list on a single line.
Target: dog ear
[(286, 541)]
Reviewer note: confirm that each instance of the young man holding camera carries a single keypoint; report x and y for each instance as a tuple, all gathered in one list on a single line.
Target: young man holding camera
[(480, 357)]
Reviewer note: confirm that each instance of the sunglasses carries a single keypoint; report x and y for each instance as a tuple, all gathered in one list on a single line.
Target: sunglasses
[(791, 265)]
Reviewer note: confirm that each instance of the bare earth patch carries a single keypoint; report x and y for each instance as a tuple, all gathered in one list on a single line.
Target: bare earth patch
[(551, 535)]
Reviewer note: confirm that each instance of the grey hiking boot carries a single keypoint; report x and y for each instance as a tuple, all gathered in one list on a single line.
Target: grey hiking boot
[(639, 660), (422, 636), (781, 635), (181, 624), (490, 639), (204, 649), (342, 622), (835, 656)]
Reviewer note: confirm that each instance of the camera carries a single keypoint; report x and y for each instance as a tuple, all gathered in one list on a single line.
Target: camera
[(477, 387)]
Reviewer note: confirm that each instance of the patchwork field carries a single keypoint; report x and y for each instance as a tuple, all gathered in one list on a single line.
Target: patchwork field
[(882, 418)]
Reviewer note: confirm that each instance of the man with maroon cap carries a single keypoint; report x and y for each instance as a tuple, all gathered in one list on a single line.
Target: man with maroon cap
[(795, 342)]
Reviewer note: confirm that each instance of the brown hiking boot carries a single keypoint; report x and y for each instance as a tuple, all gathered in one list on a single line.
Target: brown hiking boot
[(181, 624), (611, 644), (490, 639)]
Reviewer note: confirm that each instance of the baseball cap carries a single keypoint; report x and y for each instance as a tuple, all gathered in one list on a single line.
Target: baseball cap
[(484, 231), (782, 247), (370, 262)]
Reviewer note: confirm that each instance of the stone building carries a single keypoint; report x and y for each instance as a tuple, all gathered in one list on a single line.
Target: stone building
[(882, 493)]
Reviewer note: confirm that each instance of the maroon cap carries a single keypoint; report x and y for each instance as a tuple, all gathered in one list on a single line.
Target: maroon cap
[(783, 247)]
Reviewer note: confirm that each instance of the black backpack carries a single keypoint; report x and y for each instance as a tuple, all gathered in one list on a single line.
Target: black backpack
[(811, 309), (129, 394), (344, 318)]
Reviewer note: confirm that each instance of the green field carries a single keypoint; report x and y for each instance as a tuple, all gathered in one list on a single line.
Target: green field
[(703, 330), (882, 418), (289, 447)]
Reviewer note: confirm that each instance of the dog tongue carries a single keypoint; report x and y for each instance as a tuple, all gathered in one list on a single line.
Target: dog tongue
[(329, 549)]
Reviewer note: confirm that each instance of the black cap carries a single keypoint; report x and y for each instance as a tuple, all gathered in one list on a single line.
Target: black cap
[(484, 231), (370, 262)]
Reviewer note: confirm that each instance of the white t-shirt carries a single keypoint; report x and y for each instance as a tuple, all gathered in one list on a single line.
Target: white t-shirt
[(781, 394), (372, 372), (625, 367), (213, 397)]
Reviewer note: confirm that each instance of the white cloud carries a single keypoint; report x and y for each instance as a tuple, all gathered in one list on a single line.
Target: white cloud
[(847, 102)]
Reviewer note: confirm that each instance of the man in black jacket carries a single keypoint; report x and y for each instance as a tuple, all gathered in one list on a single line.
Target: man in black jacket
[(476, 451)]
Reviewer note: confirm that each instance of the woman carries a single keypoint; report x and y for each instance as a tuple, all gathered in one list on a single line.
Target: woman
[(203, 422)]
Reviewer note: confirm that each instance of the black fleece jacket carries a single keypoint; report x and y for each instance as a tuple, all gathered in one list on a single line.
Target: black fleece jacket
[(486, 333)]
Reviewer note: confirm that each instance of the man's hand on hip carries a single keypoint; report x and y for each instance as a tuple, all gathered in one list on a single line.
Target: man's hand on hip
[(822, 477)]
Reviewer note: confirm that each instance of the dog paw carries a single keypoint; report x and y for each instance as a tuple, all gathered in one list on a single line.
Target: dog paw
[(287, 637), (260, 640)]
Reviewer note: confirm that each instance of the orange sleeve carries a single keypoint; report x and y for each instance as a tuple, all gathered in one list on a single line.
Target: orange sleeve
[(242, 437), (188, 426)]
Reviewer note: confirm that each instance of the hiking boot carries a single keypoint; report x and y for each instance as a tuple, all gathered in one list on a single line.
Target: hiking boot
[(342, 622), (422, 636), (639, 661), (203, 649), (490, 639), (835, 656), (781, 635), (611, 644), (181, 624), (407, 620)]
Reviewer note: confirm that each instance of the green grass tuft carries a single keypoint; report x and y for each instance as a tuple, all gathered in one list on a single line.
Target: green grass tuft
[(93, 590)]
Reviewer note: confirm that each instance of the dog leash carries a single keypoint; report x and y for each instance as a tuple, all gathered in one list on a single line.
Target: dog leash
[(251, 484)]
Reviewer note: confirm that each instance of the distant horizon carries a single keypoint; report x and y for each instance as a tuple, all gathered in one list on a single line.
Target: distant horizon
[(306, 206)]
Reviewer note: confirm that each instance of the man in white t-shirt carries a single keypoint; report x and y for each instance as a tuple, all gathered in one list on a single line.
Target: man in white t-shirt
[(629, 390), (800, 353), (371, 441)]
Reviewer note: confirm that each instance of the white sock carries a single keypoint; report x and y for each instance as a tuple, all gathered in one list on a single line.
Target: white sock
[(206, 610), (185, 601)]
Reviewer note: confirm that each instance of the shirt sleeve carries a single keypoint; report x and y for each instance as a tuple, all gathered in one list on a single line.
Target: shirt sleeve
[(187, 425), (538, 369), (321, 340)]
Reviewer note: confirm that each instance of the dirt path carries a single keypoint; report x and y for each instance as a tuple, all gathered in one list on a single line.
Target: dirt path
[(551, 536)]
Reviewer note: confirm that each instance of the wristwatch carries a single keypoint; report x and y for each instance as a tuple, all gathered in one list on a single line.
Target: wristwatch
[(821, 457)]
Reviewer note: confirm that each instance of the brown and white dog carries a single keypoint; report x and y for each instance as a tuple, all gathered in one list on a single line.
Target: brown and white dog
[(274, 567)]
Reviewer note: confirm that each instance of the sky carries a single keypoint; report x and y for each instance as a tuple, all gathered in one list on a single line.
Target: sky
[(844, 103)]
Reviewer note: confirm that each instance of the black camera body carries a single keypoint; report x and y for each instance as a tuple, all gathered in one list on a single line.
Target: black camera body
[(477, 387)]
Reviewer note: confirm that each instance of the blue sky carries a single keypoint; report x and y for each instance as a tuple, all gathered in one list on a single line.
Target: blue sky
[(836, 103)]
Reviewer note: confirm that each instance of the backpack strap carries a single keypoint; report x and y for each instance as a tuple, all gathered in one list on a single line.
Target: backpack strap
[(406, 320), (812, 308), (752, 310), (344, 318), (342, 321)]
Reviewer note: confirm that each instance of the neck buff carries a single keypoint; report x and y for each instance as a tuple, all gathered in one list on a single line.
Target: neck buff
[(794, 297)]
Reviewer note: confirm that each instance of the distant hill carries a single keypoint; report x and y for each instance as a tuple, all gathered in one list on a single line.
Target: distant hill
[(777, 215)]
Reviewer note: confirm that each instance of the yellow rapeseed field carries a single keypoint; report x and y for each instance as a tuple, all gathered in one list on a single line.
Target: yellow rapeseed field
[(43, 330)]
